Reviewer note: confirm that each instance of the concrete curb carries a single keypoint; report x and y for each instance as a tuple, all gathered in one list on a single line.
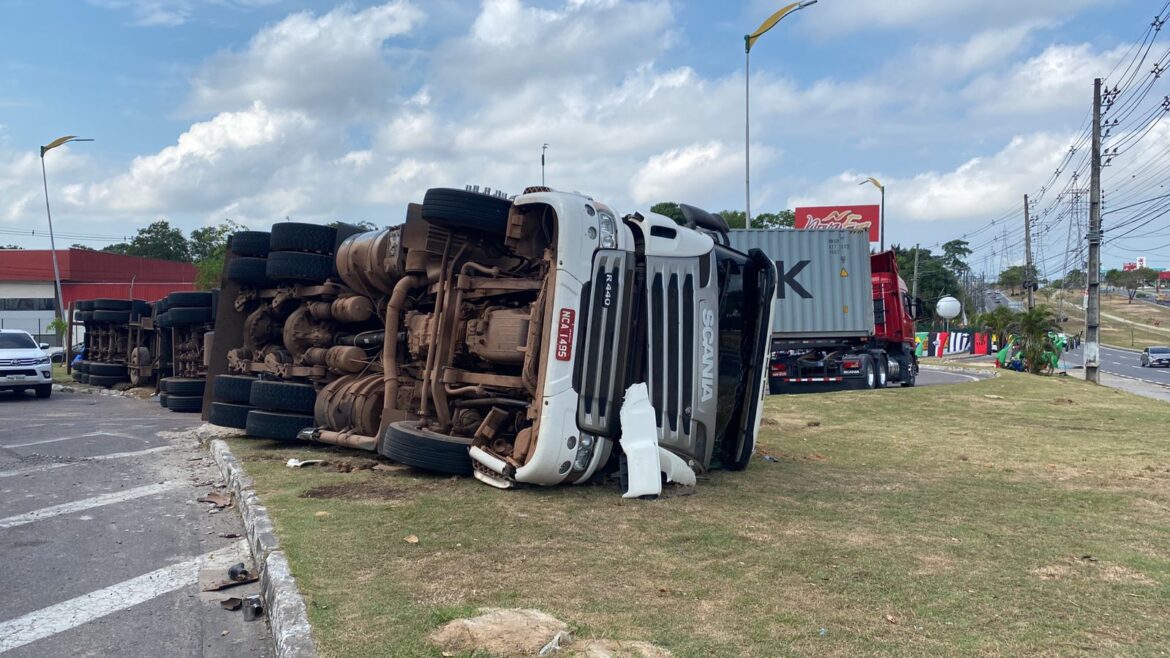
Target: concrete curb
[(966, 370), (288, 617)]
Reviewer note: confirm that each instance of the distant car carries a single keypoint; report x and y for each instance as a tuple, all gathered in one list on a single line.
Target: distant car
[(24, 365), (57, 354), (1156, 356)]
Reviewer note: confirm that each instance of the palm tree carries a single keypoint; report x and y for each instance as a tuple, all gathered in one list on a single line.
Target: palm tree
[(998, 321), (1035, 327)]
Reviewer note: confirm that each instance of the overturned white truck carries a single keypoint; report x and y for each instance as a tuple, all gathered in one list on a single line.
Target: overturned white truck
[(514, 328), (508, 331)]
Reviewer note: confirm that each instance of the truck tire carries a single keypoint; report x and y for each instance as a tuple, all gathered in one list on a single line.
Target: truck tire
[(85, 305), (113, 317), (405, 443), (248, 271), (185, 403), (283, 396), (162, 400), (250, 243), (163, 320), (233, 388), (185, 386), (111, 305), (463, 210), (84, 379), (276, 425), (188, 299), (226, 414), (298, 266), (909, 375), (296, 236), (106, 380), (868, 373), (883, 372), (190, 315), (108, 369)]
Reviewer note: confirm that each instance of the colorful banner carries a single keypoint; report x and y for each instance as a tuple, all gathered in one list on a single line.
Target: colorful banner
[(850, 218)]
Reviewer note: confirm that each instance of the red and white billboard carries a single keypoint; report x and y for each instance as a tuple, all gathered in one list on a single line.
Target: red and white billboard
[(851, 218)]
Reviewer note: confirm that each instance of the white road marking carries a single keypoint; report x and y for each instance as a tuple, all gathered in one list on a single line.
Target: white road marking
[(112, 455), (87, 503), (69, 438), (83, 609)]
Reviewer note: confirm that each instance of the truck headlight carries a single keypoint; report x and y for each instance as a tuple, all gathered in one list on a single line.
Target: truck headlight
[(608, 228), (584, 452), (43, 360)]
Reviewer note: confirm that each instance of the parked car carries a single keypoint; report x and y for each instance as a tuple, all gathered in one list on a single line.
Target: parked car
[(1156, 356), (24, 365)]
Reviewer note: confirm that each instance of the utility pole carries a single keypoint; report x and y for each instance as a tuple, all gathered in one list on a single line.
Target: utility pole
[(1028, 282), (1093, 312), (914, 285)]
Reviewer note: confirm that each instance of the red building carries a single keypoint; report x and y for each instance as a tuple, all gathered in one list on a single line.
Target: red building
[(27, 291)]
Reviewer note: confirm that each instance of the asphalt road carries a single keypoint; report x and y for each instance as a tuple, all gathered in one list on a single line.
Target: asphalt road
[(1122, 363), (105, 550)]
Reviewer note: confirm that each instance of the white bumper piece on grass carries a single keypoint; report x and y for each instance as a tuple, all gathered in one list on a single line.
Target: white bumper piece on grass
[(644, 458)]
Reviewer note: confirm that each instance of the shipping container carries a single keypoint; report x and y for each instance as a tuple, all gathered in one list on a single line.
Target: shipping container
[(823, 281)]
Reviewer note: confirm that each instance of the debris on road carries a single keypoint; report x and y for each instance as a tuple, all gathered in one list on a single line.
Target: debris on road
[(410, 539), (232, 603), (253, 608), (238, 571), (509, 632), (297, 463), (215, 498)]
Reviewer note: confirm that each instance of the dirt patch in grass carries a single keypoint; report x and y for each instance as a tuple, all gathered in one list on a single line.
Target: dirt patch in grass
[(366, 490), (951, 513)]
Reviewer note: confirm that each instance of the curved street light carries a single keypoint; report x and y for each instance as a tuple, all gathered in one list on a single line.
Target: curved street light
[(52, 242), (749, 40), (882, 220)]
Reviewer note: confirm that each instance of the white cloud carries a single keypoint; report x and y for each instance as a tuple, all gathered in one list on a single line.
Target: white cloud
[(976, 189), (691, 174), (841, 16), (1059, 77), (168, 13), (333, 63)]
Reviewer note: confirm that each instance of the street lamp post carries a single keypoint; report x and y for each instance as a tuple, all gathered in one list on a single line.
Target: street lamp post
[(52, 242), (748, 41), (882, 220)]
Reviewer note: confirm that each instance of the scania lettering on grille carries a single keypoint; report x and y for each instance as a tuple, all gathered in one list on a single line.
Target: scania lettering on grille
[(565, 321), (707, 374)]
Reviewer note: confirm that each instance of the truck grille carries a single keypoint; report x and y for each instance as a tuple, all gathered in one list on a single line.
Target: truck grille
[(600, 368), (677, 295), (18, 362)]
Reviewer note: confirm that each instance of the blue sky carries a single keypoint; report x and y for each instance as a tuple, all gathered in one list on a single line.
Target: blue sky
[(257, 110)]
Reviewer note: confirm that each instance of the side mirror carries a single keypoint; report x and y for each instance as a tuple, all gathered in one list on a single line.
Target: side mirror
[(44, 346)]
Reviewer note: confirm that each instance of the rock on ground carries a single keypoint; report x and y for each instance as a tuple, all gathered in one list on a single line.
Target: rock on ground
[(500, 632), (516, 633)]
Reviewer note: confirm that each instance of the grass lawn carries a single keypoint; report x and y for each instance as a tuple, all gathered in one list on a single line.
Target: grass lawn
[(1012, 516), (1140, 324), (60, 376)]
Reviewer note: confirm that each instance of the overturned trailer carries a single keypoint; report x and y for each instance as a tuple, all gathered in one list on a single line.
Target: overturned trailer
[(498, 337)]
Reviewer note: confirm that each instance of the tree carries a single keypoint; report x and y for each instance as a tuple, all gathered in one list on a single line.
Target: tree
[(160, 240), (11, 246), (207, 241), (935, 279), (1035, 327), (118, 248), (208, 249), (81, 247), (1132, 280), (1015, 276), (953, 254), (1074, 279), (669, 209)]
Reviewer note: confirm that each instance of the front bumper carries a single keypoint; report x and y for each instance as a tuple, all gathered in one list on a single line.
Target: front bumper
[(22, 376)]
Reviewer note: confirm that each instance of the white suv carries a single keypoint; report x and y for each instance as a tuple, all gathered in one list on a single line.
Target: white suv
[(24, 364)]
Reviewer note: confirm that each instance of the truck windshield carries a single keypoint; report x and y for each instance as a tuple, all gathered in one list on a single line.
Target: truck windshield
[(741, 323)]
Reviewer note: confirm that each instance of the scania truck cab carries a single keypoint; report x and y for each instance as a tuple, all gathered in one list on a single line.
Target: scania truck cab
[(515, 326)]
